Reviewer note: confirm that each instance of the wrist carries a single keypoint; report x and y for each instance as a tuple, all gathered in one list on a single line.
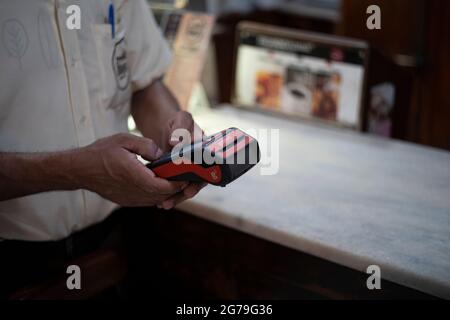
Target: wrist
[(57, 170), (74, 168)]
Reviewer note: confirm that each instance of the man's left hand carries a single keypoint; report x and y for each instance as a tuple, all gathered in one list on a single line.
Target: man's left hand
[(182, 120)]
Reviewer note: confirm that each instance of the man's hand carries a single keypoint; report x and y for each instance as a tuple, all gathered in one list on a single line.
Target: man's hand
[(182, 120), (157, 114), (110, 168)]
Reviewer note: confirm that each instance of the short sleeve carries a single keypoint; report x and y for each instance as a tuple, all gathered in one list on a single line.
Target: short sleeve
[(148, 53)]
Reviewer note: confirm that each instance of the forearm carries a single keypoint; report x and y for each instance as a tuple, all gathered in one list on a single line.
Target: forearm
[(152, 108), (108, 167), (23, 174)]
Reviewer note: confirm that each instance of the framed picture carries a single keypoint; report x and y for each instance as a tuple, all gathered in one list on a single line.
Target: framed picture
[(300, 74)]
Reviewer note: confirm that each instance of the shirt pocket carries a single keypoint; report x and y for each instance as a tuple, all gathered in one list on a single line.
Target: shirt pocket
[(114, 75)]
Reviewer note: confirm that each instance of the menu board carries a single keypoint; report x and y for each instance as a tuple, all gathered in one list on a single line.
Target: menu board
[(302, 74)]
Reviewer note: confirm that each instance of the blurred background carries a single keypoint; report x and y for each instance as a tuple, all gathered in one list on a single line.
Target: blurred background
[(410, 53)]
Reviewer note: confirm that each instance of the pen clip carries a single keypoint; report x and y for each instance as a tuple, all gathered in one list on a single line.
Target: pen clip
[(112, 20)]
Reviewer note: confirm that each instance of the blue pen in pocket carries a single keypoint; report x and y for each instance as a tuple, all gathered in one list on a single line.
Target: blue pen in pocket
[(112, 20)]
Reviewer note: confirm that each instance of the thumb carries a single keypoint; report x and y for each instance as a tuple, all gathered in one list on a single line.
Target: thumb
[(180, 136), (181, 127), (144, 147), (184, 120)]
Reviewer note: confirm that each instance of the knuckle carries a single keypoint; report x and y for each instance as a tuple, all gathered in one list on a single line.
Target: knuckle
[(181, 186), (188, 116), (190, 193), (122, 137), (168, 204), (174, 189), (149, 141)]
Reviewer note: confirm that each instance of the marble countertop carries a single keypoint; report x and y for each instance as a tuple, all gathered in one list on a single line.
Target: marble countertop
[(346, 197)]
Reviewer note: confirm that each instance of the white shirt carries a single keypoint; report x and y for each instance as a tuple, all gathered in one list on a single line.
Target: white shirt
[(62, 89)]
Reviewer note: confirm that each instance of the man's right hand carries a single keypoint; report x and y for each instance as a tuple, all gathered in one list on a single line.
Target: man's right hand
[(110, 167)]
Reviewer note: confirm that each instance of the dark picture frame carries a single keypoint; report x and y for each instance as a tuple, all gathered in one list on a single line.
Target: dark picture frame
[(330, 49)]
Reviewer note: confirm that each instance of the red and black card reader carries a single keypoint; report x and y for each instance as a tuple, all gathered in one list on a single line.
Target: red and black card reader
[(218, 159)]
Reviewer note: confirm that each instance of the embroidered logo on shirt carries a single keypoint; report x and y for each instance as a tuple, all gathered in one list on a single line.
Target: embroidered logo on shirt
[(15, 39), (119, 64)]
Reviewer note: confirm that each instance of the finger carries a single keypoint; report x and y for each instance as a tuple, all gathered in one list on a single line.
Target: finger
[(192, 190), (144, 147), (197, 134), (172, 201), (146, 179), (189, 192), (179, 136), (183, 120), (166, 187)]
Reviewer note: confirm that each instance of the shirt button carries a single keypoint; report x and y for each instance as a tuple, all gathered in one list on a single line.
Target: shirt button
[(83, 119)]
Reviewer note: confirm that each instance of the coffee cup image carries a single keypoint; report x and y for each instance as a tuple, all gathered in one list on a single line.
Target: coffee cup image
[(297, 98)]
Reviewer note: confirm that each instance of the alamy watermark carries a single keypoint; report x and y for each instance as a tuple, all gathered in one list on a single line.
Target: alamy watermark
[(374, 280), (73, 21), (73, 281), (374, 20)]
